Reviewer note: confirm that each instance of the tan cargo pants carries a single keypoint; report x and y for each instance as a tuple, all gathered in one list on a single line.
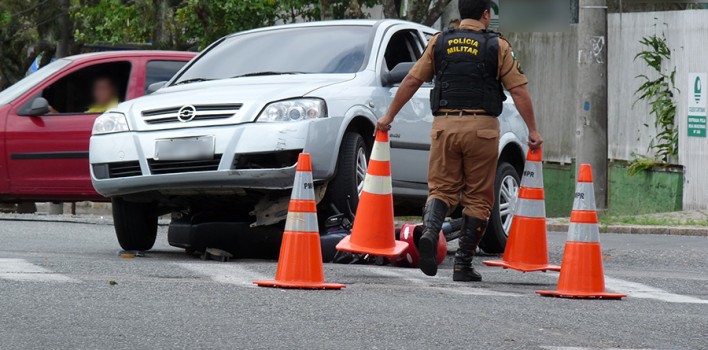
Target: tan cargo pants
[(463, 162)]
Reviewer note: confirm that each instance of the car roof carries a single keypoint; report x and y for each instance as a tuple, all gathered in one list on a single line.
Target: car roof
[(342, 22), (131, 53)]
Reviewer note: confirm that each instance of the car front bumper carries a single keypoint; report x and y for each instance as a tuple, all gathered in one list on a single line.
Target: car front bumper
[(247, 156)]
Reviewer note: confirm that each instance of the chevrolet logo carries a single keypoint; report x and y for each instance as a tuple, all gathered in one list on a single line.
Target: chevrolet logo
[(186, 113)]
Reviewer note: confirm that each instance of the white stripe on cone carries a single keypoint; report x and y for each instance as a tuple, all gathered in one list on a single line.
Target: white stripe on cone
[(381, 151), (530, 208), (303, 188), (533, 175), (584, 196), (378, 184), (583, 232), (301, 222)]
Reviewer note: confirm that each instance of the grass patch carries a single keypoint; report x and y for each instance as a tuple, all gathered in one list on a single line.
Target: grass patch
[(650, 221)]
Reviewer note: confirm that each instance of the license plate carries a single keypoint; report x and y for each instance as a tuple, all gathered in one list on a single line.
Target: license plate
[(185, 148)]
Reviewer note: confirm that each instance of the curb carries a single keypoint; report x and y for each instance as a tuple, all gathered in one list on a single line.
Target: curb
[(72, 219), (699, 231)]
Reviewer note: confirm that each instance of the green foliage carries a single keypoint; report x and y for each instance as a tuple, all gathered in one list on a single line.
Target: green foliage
[(659, 94), (206, 21), (641, 163), (188, 23), (111, 21)]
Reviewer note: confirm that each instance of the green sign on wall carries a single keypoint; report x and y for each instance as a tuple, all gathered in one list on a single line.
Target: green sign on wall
[(698, 88)]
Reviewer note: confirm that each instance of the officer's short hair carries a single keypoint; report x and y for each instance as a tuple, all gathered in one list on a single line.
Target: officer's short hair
[(474, 9)]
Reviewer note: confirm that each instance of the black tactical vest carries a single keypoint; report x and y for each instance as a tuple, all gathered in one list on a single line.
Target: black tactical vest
[(466, 63)]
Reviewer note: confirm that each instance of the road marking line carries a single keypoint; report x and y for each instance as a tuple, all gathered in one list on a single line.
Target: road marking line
[(225, 273), (638, 290), (643, 291), (579, 348), (414, 276), (23, 271), (388, 272)]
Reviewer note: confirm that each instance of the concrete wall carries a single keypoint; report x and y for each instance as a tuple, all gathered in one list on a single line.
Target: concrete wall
[(549, 61)]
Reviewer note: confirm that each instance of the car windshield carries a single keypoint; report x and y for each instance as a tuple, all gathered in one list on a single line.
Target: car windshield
[(323, 49), (11, 93)]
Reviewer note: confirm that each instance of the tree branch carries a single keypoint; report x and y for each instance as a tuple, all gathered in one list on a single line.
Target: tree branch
[(435, 12)]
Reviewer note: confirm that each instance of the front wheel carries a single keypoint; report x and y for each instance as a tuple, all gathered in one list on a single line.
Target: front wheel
[(135, 224), (506, 188), (343, 191)]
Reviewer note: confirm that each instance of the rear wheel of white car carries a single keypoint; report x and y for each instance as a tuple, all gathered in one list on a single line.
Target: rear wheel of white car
[(135, 224), (506, 187), (343, 191)]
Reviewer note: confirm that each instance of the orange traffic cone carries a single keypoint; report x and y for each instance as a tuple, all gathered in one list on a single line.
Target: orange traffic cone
[(527, 248), (582, 275), (300, 262), (373, 232)]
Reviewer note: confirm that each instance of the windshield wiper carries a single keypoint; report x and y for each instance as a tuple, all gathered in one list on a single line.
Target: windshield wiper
[(193, 80), (255, 74)]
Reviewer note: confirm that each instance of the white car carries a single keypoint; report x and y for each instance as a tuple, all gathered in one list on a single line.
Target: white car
[(221, 138)]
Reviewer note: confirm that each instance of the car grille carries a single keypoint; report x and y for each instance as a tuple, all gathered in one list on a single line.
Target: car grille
[(124, 169), (201, 112), (116, 170), (266, 160), (158, 167)]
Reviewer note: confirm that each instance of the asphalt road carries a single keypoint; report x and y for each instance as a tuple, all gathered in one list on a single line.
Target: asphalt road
[(63, 286)]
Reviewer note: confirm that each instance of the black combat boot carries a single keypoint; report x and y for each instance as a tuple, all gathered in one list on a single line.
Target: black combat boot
[(472, 233), (433, 217)]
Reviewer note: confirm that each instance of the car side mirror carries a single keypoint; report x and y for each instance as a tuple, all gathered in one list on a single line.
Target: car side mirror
[(396, 75), (155, 86), (39, 106)]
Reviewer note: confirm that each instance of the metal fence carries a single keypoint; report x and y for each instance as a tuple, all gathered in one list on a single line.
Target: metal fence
[(549, 60), (687, 36)]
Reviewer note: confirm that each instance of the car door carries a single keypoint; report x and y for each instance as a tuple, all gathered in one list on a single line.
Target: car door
[(410, 132), (48, 154)]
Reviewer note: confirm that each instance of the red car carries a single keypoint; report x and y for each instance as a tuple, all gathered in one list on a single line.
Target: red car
[(46, 120)]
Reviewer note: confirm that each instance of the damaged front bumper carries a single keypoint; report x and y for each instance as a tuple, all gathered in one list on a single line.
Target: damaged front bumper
[(246, 156)]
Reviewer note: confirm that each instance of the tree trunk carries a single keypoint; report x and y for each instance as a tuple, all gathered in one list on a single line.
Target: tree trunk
[(424, 11), (65, 29), (161, 35), (391, 9), (435, 12), (354, 10), (326, 10)]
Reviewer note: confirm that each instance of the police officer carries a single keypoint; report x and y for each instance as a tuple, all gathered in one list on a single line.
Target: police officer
[(469, 66)]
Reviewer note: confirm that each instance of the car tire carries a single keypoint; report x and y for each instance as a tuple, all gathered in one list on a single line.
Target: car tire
[(343, 190), (505, 182), (135, 224)]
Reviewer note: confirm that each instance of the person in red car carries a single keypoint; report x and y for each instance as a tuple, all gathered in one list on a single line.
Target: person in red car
[(105, 95)]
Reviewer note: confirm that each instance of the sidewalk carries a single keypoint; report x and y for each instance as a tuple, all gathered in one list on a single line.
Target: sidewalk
[(684, 223)]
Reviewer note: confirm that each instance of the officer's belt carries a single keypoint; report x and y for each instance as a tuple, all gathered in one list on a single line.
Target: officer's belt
[(462, 114)]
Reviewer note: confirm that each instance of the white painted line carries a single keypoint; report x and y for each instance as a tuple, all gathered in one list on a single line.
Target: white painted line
[(390, 272), (414, 276), (226, 273), (638, 290), (642, 291), (579, 348), (24, 271)]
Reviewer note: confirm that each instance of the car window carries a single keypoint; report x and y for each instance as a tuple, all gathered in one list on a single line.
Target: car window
[(161, 70), (11, 93), (322, 49), (404, 46), (78, 91)]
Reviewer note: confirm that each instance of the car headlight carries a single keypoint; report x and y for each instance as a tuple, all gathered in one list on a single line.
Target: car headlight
[(110, 122), (294, 110)]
